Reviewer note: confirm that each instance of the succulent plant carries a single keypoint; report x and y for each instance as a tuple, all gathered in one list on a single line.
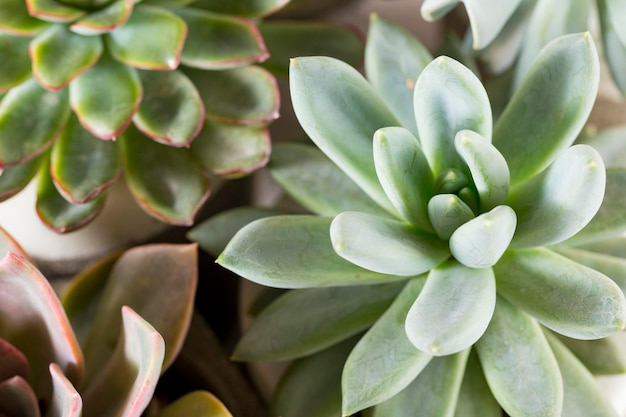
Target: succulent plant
[(472, 252), (101, 351), (503, 33)]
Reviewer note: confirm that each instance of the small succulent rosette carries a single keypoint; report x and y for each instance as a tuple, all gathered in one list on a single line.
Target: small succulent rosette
[(507, 33), (475, 255), (163, 92), (100, 351)]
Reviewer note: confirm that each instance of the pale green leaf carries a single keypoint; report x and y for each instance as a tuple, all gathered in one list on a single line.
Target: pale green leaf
[(404, 174), (435, 9), (385, 245), (293, 252), (563, 295), (449, 98), (333, 102), (481, 241), (514, 349), (601, 357), (613, 267), (453, 310), (447, 212), (475, 398), (306, 321), (384, 361), (560, 201), (610, 144), (614, 47), (66, 401)]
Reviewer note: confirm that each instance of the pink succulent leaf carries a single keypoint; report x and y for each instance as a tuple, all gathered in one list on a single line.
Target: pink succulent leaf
[(133, 370), (159, 283), (197, 404), (8, 244), (18, 399), (104, 20), (12, 362), (66, 401), (35, 323)]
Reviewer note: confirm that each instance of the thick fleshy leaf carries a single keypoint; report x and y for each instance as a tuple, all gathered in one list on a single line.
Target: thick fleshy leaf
[(59, 214), (449, 98), (582, 396), (394, 74), (480, 242), (613, 267), (316, 182), (488, 167), (15, 67), (322, 91), (15, 178), (159, 283), (306, 321), (292, 252), (41, 332), (515, 349), (233, 41), (166, 182), (66, 401), (197, 404), (563, 295), (475, 398), (171, 110), (384, 245), (545, 114), (610, 220), (245, 95), (8, 244), (104, 20), (287, 39), (614, 47), (152, 38), (447, 212), (610, 143), (134, 370), (453, 310), (319, 373), (604, 356), (17, 398), (35, 116), (58, 56), (432, 393), (560, 201), (384, 361), (105, 97), (15, 19), (231, 150), (53, 11), (13, 362), (82, 165), (404, 174), (247, 8)]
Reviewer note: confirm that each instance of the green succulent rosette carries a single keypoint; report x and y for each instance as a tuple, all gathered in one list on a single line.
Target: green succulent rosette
[(163, 92), (475, 255)]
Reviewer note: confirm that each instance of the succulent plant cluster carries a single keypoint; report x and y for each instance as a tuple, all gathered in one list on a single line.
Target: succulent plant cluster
[(470, 251), (101, 350), (504, 33)]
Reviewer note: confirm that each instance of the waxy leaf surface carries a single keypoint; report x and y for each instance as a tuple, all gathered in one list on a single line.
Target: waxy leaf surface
[(601, 356), (15, 68), (66, 401), (614, 47), (53, 11), (104, 20), (613, 267), (247, 8), (15, 19), (475, 398), (447, 212), (15, 178)]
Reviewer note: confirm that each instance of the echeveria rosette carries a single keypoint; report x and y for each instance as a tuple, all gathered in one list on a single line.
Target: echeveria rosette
[(103, 350), (468, 216), (513, 32), (157, 75)]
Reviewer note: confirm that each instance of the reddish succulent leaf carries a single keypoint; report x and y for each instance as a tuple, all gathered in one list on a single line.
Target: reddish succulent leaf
[(248, 8), (18, 399), (232, 150), (12, 361), (233, 41), (35, 116), (14, 18), (15, 65), (53, 11), (66, 401), (152, 38), (165, 181), (104, 20), (133, 370), (59, 214), (58, 56), (41, 331), (159, 283), (197, 404), (8, 244), (171, 111), (82, 166), (246, 95), (15, 178)]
